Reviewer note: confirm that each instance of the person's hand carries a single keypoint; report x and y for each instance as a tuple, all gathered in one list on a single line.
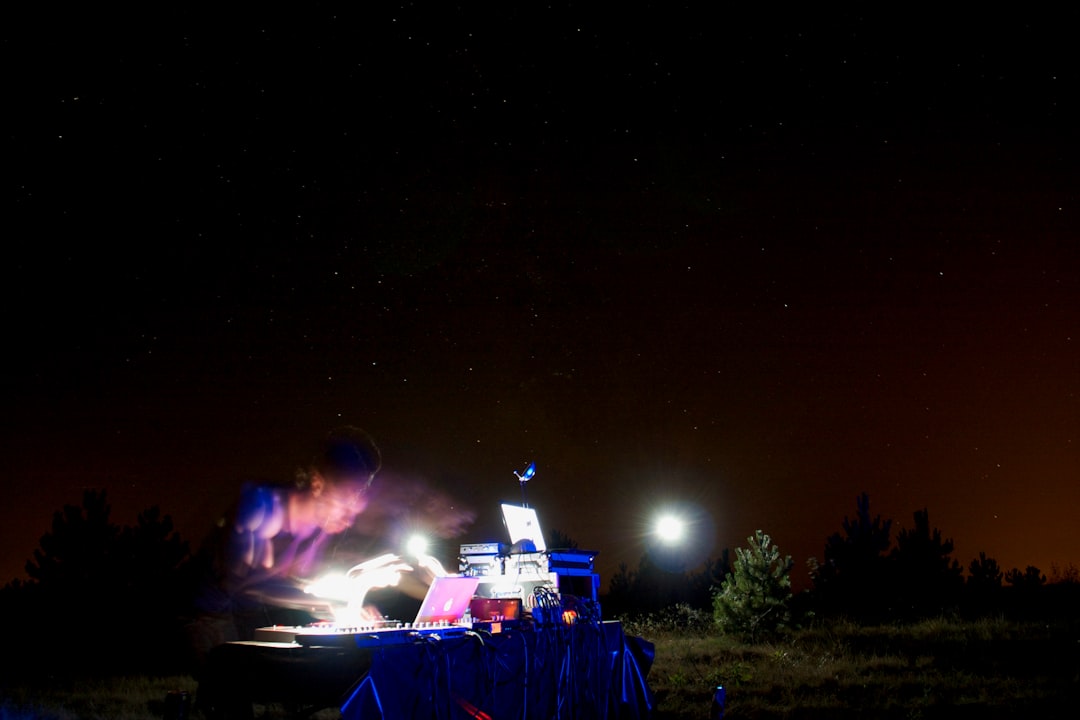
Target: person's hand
[(294, 599), (358, 615), (416, 583), (351, 587), (383, 571)]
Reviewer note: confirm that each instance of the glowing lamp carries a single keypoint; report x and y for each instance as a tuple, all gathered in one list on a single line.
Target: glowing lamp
[(417, 546), (670, 529)]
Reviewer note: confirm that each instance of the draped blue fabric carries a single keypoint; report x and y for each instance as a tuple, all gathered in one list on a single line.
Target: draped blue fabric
[(579, 671)]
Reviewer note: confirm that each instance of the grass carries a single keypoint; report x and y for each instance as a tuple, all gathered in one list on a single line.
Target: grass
[(114, 698), (933, 669)]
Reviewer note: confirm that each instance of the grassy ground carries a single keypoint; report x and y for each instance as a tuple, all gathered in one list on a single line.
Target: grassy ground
[(121, 698), (934, 669)]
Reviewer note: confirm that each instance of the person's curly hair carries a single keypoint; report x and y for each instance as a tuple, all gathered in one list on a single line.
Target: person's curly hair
[(347, 452)]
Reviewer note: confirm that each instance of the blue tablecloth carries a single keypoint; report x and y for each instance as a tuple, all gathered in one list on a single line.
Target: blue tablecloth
[(590, 670)]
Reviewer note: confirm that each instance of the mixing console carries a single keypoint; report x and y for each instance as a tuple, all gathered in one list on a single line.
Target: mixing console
[(372, 636)]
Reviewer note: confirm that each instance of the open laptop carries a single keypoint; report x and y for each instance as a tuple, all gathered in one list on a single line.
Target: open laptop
[(523, 527), (446, 600)]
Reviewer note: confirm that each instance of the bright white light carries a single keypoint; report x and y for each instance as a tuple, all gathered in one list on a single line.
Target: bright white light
[(431, 564), (383, 571), (417, 546), (670, 529), (333, 586)]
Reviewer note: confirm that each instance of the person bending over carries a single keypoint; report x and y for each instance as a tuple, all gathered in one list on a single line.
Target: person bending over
[(276, 537)]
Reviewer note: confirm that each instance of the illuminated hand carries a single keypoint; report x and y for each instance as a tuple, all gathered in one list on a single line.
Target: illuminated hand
[(353, 614), (415, 584), (383, 571), (428, 568)]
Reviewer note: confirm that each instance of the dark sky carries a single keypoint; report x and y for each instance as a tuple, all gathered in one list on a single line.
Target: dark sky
[(752, 262)]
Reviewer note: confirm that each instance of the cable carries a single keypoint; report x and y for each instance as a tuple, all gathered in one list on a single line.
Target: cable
[(525, 682)]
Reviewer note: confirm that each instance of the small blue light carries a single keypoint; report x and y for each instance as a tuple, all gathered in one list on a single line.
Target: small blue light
[(718, 702)]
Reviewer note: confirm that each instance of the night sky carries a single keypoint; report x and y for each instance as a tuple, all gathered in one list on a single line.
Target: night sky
[(751, 262)]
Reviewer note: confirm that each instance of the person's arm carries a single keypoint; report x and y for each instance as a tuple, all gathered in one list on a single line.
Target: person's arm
[(249, 554), (260, 517)]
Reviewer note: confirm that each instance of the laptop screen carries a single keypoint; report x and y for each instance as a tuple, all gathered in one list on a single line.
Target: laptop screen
[(447, 599), (522, 524)]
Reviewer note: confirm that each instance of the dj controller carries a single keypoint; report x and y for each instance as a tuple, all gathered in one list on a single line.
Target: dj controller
[(375, 635)]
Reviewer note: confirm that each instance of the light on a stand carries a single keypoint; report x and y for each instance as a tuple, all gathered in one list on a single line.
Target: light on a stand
[(670, 529), (524, 477), (417, 546)]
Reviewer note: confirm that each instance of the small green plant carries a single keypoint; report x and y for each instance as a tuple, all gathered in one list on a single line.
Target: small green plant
[(753, 600), (678, 680), (736, 674)]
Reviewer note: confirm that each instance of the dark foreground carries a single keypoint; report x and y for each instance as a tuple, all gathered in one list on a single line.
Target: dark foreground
[(934, 669)]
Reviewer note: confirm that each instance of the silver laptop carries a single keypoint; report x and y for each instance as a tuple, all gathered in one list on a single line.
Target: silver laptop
[(523, 525)]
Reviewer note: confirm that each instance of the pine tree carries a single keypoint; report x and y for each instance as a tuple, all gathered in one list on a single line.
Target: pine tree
[(77, 557), (129, 579), (853, 578), (928, 580), (1031, 578), (984, 574), (753, 599)]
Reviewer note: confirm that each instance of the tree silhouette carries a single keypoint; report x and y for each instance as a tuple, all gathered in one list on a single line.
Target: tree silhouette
[(926, 579), (152, 552), (1067, 575), (77, 557), (856, 568), (153, 588), (647, 589), (617, 600), (652, 587), (126, 582), (984, 575), (1030, 579), (982, 590), (560, 541), (704, 584)]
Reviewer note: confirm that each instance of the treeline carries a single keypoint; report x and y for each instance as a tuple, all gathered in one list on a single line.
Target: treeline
[(101, 597), (118, 598), (868, 575)]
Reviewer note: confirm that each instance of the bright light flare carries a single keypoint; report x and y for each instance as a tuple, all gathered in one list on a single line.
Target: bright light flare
[(353, 586), (417, 546), (332, 586), (670, 529)]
